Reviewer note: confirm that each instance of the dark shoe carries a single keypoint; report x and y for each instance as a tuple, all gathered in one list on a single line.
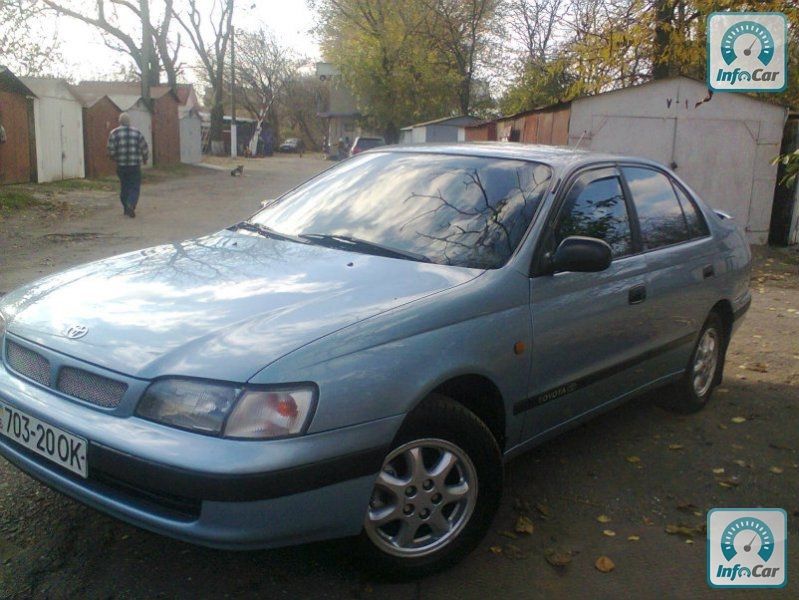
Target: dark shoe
[(132, 214)]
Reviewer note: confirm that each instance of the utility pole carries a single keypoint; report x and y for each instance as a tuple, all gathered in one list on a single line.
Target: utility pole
[(146, 51), (233, 127)]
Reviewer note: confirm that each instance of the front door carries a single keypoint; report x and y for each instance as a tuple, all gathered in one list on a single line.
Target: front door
[(588, 328)]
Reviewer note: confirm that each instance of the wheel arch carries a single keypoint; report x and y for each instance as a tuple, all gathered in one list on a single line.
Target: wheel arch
[(480, 395), (723, 308)]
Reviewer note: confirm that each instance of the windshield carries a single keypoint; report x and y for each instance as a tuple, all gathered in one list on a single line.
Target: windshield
[(456, 210)]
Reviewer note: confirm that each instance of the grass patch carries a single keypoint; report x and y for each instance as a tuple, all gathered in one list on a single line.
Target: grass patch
[(14, 198), (104, 184)]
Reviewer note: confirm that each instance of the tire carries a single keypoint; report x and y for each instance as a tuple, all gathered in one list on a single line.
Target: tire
[(423, 530), (692, 392)]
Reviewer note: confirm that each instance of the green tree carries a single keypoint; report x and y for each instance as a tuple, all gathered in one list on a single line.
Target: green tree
[(405, 61)]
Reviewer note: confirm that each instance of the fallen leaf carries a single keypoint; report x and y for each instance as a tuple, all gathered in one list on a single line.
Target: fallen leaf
[(524, 525), (738, 419), (676, 446), (729, 482), (741, 463), (779, 446), (689, 541), (648, 521), (609, 532), (722, 426), (496, 550), (543, 509), (687, 508), (718, 471), (603, 519), (557, 559), (633, 459), (604, 564), (509, 535), (513, 551), (776, 470), (684, 530), (758, 367), (633, 538)]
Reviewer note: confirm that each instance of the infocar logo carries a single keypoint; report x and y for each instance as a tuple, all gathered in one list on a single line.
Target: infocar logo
[(746, 52), (747, 547)]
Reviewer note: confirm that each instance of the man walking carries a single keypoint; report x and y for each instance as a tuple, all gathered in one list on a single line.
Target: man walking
[(128, 149)]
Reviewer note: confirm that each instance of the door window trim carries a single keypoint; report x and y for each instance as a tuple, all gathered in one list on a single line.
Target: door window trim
[(600, 171)]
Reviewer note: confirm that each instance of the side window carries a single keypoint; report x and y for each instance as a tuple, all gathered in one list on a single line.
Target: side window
[(597, 210), (659, 213), (697, 226)]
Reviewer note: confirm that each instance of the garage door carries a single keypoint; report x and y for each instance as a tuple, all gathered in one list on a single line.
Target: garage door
[(649, 137), (716, 157)]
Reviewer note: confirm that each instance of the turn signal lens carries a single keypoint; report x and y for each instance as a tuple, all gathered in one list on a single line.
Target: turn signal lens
[(261, 414)]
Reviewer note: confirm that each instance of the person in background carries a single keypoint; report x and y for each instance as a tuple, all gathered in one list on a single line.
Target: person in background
[(128, 149)]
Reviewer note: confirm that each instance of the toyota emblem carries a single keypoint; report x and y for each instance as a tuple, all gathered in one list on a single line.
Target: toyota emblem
[(77, 331)]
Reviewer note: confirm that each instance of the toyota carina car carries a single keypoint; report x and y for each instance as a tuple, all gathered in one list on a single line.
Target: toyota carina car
[(362, 355)]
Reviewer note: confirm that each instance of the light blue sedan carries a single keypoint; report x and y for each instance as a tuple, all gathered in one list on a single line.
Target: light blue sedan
[(362, 355)]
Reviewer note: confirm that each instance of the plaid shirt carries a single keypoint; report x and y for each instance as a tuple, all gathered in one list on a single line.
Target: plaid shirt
[(127, 147)]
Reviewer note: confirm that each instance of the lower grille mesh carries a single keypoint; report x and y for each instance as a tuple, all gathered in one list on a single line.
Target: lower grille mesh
[(28, 363), (91, 387)]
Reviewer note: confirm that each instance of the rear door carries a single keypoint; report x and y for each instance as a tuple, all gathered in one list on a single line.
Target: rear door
[(680, 256), (588, 328)]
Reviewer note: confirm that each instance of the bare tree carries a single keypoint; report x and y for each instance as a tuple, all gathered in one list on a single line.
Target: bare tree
[(22, 48), (534, 25), (461, 29), (197, 22), (151, 45), (264, 67)]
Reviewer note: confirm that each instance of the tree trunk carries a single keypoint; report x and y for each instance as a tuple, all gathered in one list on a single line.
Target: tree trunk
[(661, 69)]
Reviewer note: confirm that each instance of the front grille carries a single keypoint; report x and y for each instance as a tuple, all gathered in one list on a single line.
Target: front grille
[(91, 387), (28, 363)]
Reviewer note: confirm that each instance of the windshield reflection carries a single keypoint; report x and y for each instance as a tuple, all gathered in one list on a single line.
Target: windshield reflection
[(456, 210)]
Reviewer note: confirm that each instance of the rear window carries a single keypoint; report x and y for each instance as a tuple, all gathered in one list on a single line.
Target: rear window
[(659, 213), (366, 143)]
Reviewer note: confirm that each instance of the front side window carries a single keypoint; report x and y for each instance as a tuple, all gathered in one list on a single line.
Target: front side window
[(456, 210), (597, 210), (659, 213)]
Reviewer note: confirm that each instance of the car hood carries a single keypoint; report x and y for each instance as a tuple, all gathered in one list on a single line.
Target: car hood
[(223, 306)]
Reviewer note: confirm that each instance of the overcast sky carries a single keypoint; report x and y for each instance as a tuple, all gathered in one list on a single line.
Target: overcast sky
[(87, 57)]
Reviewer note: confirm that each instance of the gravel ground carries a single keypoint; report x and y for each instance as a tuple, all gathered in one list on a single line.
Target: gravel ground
[(640, 468)]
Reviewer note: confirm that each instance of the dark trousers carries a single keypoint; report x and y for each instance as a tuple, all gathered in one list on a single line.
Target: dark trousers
[(130, 180)]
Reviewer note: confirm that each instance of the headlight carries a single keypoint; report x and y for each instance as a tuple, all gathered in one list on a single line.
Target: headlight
[(226, 410)]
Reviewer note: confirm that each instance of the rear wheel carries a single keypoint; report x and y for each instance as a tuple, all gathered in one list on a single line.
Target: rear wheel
[(693, 391), (436, 494)]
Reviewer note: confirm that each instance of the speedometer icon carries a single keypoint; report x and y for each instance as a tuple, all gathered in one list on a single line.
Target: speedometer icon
[(753, 529), (755, 33)]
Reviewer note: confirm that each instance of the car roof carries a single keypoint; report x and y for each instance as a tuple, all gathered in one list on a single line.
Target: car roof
[(556, 156)]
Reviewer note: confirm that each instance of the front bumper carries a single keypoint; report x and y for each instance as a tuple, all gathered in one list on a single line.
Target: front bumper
[(221, 493)]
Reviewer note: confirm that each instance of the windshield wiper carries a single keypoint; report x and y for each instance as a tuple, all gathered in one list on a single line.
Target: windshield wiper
[(266, 231), (348, 242)]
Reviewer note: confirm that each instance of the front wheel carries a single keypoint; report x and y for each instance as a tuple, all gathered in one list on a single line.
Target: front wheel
[(436, 494)]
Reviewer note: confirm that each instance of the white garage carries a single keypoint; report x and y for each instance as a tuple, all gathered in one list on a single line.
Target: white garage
[(58, 127), (721, 145)]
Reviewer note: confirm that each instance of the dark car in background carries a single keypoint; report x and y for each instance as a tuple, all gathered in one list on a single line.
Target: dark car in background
[(362, 144), (292, 145)]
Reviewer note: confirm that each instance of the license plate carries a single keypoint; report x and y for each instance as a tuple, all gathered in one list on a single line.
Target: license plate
[(54, 444)]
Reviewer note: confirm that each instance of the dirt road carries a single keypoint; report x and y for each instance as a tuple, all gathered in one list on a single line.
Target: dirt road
[(642, 468)]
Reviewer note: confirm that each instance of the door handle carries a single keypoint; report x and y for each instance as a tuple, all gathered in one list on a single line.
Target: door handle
[(637, 294), (708, 271)]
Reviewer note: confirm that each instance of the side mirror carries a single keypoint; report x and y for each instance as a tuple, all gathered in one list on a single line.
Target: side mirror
[(581, 254)]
